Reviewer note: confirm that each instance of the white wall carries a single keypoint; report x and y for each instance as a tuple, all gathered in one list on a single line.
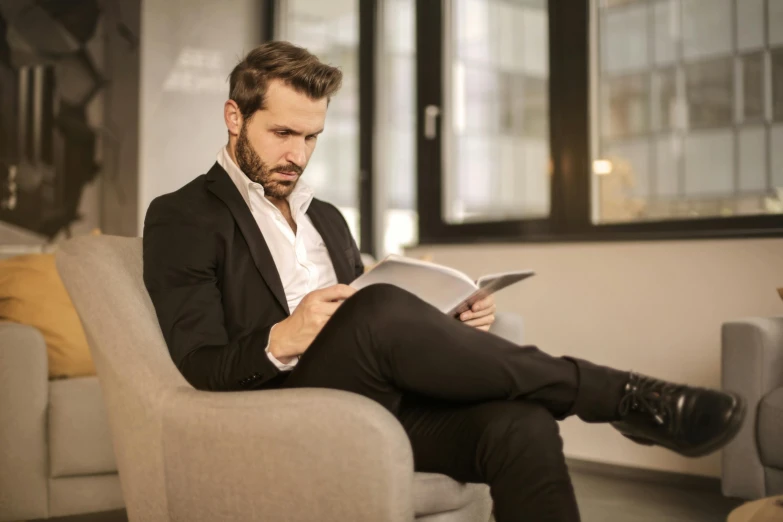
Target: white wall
[(187, 51), (654, 307)]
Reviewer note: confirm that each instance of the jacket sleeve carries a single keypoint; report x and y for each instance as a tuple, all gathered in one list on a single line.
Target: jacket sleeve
[(182, 260)]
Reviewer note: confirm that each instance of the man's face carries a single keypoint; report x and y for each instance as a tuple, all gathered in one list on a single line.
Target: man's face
[(273, 148)]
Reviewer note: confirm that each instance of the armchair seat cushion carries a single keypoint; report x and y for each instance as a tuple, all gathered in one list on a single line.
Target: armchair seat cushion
[(79, 437), (436, 493), (770, 428)]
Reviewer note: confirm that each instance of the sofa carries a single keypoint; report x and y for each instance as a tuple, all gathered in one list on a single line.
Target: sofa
[(57, 457), (752, 365)]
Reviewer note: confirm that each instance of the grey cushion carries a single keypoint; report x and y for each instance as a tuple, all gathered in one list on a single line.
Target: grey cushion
[(79, 437), (436, 493), (770, 429), (23, 391)]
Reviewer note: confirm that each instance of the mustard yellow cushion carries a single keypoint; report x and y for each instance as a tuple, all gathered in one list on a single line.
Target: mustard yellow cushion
[(32, 293)]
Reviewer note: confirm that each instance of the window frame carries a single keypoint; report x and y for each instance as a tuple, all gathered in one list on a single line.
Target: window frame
[(570, 83)]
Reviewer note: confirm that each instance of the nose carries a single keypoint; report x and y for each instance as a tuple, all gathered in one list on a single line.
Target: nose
[(297, 152)]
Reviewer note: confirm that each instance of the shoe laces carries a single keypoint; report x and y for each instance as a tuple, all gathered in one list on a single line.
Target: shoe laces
[(649, 396)]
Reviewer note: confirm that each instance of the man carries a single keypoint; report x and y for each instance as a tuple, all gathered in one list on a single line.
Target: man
[(248, 274)]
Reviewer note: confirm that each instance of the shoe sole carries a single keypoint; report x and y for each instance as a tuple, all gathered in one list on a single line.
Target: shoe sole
[(735, 423)]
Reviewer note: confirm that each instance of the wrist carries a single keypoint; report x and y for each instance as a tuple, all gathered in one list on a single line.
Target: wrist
[(277, 346)]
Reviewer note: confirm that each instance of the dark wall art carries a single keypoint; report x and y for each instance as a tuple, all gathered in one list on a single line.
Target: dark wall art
[(50, 74)]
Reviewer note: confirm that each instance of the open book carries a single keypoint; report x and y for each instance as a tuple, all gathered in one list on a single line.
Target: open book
[(447, 289)]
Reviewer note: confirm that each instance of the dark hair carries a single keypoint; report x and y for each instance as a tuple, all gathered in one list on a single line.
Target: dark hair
[(294, 65)]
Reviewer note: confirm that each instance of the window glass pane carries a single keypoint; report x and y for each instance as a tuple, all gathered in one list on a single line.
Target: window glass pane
[(616, 3), (396, 127), (775, 22), (753, 157), (535, 189), (710, 93), (486, 90), (533, 105), (667, 173), (533, 31), (777, 158), (707, 27), (709, 161), (665, 104), (667, 31), (623, 49), (777, 84), (687, 135), (497, 142), (626, 105), (753, 87), (330, 30), (626, 190), (750, 24)]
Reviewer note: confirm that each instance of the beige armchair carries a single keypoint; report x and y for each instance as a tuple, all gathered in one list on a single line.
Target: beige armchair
[(283, 455)]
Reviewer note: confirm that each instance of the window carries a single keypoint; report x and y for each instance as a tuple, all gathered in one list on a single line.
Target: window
[(687, 132), (497, 116), (330, 30), (396, 127), (549, 120)]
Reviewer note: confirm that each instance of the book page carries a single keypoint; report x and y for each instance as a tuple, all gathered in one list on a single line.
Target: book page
[(441, 286), (489, 284)]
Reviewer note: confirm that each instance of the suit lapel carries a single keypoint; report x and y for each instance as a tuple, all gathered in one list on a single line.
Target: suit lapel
[(221, 185), (331, 234)]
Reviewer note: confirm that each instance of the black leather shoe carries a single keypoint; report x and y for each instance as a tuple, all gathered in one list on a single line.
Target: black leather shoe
[(690, 421)]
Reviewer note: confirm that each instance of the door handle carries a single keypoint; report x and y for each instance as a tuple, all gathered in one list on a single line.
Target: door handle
[(431, 113)]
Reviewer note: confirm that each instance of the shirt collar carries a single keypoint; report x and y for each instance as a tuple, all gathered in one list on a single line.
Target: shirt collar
[(299, 199)]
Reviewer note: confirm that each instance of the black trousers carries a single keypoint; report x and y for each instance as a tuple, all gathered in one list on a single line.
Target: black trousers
[(476, 407)]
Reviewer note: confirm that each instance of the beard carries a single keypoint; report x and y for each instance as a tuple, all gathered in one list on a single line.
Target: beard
[(251, 164)]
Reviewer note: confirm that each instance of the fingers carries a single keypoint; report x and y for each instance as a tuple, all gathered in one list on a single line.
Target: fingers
[(481, 321), (466, 316), (483, 304)]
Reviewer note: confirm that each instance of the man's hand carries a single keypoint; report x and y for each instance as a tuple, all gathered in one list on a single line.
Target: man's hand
[(481, 314), (291, 336)]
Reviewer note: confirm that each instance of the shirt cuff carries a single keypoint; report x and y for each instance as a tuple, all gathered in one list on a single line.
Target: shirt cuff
[(283, 367)]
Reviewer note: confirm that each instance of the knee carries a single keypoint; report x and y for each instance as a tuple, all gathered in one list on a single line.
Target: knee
[(380, 300)]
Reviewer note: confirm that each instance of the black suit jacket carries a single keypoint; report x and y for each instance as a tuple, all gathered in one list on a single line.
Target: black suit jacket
[(214, 283)]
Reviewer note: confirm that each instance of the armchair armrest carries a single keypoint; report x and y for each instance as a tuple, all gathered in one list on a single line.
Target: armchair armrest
[(253, 455), (508, 326), (24, 397), (752, 365)]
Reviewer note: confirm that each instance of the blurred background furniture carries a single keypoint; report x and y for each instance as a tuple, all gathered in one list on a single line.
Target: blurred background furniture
[(191, 455), (56, 457), (752, 352)]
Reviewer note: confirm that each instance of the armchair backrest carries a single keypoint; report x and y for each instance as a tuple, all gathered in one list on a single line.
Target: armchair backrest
[(103, 275)]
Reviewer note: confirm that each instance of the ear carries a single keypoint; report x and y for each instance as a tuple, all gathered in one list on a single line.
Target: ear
[(233, 117)]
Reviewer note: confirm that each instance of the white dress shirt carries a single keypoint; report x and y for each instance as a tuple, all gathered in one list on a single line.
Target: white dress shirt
[(301, 258)]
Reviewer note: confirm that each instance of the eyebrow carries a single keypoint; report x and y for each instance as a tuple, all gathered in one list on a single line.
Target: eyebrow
[(283, 128)]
